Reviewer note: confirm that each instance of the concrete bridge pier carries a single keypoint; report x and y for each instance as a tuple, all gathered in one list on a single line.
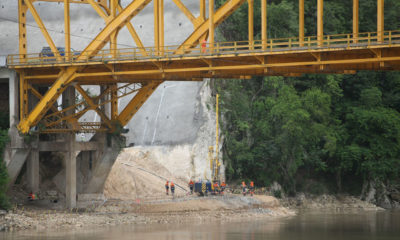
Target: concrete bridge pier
[(86, 164), (32, 170), (70, 165)]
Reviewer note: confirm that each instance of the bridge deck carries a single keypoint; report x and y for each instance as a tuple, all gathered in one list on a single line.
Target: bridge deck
[(221, 49)]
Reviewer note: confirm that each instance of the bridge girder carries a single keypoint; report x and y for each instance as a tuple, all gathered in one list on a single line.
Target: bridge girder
[(192, 60)]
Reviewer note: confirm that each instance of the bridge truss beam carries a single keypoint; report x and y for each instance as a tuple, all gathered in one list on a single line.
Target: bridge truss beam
[(138, 71)]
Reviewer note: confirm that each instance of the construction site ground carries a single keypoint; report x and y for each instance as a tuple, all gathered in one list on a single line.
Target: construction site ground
[(230, 207)]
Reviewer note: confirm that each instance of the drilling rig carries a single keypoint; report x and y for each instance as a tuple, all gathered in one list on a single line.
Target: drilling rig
[(206, 186)]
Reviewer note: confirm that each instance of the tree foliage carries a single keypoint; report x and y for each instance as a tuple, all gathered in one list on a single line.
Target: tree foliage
[(3, 170), (332, 128)]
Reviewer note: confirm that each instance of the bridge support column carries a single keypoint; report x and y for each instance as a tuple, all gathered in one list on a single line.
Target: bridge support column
[(68, 99), (33, 170), (70, 165)]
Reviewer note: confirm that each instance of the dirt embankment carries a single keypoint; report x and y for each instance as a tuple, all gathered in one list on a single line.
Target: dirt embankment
[(116, 212)]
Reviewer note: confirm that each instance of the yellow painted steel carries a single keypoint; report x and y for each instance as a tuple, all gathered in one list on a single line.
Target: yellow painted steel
[(114, 101), (320, 21), (156, 26), (221, 14), (23, 97), (355, 21), (217, 164), (203, 9), (380, 19), (114, 35), (251, 21), (184, 10), (103, 37), (137, 101), (102, 3), (67, 35), (189, 61), (93, 106), (98, 9), (22, 9), (134, 35), (68, 75), (211, 25), (43, 29), (301, 22), (161, 25), (264, 23)]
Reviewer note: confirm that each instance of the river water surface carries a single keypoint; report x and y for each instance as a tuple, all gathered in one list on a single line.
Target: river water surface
[(308, 225)]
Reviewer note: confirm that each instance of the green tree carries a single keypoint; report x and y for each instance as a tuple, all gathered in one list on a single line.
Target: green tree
[(332, 128)]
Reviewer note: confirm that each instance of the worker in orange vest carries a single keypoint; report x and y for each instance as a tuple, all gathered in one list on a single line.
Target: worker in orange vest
[(166, 187), (251, 188), (203, 46), (244, 188), (31, 197), (223, 186), (191, 184), (216, 188), (172, 188)]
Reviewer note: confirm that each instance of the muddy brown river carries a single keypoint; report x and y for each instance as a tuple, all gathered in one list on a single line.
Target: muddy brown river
[(381, 225)]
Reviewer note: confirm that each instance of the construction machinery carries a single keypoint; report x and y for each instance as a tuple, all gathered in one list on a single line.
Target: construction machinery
[(206, 186)]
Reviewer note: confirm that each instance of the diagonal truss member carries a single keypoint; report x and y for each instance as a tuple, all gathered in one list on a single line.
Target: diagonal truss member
[(115, 17)]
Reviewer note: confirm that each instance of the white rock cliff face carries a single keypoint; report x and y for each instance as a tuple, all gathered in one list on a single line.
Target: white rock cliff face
[(141, 171), (174, 125)]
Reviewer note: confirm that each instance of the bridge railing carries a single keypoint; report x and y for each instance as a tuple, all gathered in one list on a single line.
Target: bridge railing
[(312, 43)]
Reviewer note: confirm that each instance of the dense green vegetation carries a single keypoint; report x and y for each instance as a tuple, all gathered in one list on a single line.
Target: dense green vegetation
[(4, 123), (314, 133)]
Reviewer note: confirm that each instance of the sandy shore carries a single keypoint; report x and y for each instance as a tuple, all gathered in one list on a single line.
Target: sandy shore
[(114, 212)]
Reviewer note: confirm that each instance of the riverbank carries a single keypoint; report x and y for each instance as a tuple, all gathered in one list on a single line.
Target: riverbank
[(230, 207), (328, 202)]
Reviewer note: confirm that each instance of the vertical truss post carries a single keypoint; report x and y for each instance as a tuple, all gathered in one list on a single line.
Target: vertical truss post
[(264, 23), (161, 25), (156, 26), (43, 29), (114, 101), (67, 31), (320, 22), (380, 20), (105, 108), (211, 24), (23, 96), (251, 23), (22, 9), (355, 21), (113, 38), (301, 23), (203, 9)]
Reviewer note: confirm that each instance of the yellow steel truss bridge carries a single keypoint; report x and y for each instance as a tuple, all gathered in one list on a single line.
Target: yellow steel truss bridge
[(138, 71)]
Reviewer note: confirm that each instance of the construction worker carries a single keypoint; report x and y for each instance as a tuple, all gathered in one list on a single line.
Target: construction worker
[(216, 188), (31, 197), (244, 188), (203, 46), (166, 187), (251, 188), (172, 188), (223, 186), (191, 185)]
